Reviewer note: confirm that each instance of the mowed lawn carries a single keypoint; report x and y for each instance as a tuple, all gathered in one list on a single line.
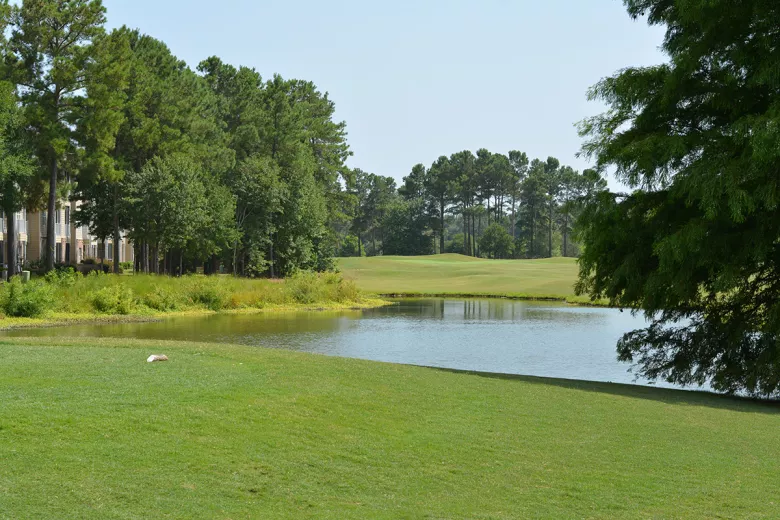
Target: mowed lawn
[(89, 430), (458, 274)]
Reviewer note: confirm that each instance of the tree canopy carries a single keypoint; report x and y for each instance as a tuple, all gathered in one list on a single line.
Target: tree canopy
[(695, 245)]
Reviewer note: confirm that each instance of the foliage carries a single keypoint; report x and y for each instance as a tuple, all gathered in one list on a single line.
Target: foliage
[(496, 242), (26, 300), (114, 299), (694, 246), (66, 292)]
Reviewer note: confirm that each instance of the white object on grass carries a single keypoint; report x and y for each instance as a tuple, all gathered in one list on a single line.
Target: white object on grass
[(154, 357)]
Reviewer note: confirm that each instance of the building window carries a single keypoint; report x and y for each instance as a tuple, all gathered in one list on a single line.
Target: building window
[(58, 249), (67, 215)]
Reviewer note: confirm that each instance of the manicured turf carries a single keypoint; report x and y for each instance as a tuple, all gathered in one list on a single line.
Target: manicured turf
[(92, 431), (458, 274)]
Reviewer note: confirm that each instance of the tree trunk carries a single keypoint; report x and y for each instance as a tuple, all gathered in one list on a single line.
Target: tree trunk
[(441, 231), (466, 238), (360, 246), (565, 235), (551, 230), (117, 237), (273, 273), (11, 243), (51, 208)]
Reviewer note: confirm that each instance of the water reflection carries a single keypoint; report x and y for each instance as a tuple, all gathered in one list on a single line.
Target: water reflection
[(542, 339)]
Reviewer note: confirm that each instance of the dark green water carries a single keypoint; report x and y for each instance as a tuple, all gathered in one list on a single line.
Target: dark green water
[(541, 339)]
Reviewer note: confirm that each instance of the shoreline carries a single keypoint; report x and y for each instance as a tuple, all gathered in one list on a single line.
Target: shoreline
[(64, 320), (570, 300)]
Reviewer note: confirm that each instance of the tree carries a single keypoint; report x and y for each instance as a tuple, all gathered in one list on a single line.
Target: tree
[(532, 212), (17, 170), (440, 187), (519, 162), (51, 48), (496, 242), (694, 247), (552, 186), (106, 82)]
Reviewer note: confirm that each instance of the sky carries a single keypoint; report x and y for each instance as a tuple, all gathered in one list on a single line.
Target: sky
[(418, 79)]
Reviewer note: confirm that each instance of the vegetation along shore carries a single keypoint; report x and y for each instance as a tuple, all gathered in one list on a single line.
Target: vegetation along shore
[(66, 297)]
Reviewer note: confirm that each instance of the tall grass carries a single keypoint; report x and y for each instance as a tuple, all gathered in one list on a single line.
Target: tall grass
[(68, 292)]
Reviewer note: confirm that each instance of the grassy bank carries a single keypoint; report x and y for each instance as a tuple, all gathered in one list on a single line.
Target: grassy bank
[(92, 431), (458, 275), (70, 297)]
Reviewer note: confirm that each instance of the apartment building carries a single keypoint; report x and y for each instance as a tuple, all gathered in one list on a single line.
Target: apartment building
[(73, 244)]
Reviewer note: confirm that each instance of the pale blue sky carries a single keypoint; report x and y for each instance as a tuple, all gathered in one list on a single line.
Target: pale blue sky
[(418, 79)]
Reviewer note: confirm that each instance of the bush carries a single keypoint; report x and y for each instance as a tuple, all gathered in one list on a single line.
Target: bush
[(28, 300), (161, 299), (63, 277), (89, 261), (304, 287), (126, 267), (108, 267), (114, 299), (209, 293)]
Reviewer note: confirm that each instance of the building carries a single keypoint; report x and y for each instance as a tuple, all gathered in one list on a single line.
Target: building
[(73, 244)]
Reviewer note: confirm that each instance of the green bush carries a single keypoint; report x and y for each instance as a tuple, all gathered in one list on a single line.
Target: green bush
[(64, 277), (305, 287), (28, 300), (114, 299), (161, 299), (126, 266), (209, 293)]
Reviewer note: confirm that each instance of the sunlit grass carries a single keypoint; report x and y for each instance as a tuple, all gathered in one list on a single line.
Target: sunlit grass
[(89, 430), (458, 275)]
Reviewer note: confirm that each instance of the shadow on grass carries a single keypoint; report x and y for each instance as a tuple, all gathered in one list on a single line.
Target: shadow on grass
[(664, 395)]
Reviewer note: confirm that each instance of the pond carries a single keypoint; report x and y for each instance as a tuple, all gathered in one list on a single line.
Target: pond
[(512, 337)]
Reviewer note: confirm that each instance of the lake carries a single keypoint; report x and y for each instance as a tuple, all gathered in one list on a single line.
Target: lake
[(512, 337)]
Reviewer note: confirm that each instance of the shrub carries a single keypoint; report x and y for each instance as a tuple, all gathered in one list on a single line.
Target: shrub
[(209, 293), (126, 266), (161, 299), (89, 261), (305, 287), (28, 300), (347, 291), (63, 277), (114, 299), (108, 267)]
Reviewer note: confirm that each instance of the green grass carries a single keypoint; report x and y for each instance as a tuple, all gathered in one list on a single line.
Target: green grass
[(460, 275), (92, 431)]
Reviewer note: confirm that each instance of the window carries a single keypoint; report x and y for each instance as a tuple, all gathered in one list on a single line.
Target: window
[(57, 217), (110, 251), (58, 250), (67, 216)]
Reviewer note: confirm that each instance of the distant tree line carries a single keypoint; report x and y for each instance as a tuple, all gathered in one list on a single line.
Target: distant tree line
[(487, 205)]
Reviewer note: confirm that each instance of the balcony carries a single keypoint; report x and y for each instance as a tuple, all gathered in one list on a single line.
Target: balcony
[(21, 224)]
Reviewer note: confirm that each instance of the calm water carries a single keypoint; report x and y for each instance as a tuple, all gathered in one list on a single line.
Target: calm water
[(541, 339)]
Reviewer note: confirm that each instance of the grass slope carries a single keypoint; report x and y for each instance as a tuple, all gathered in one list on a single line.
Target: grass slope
[(463, 275), (92, 431)]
